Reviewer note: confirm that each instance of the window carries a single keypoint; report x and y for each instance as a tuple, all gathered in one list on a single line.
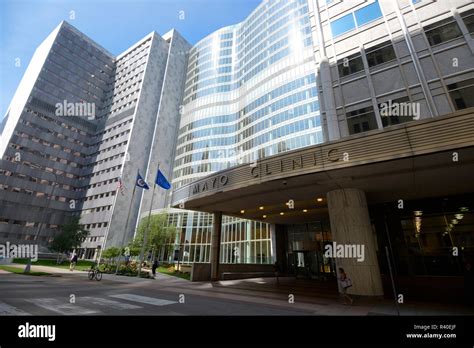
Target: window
[(462, 94), (442, 31), (361, 120), (350, 65), (342, 25), (227, 36), (468, 18), (368, 14), (380, 54), (356, 19)]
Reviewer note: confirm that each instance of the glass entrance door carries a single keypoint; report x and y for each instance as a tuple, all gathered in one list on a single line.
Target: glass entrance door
[(306, 251), (311, 264)]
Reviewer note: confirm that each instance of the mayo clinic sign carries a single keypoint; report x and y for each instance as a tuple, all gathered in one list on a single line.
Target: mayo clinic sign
[(269, 168)]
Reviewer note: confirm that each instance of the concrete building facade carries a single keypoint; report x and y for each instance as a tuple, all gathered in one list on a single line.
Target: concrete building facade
[(311, 123), (382, 68), (57, 164)]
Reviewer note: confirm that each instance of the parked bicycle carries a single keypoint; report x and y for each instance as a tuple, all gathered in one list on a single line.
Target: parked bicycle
[(94, 273)]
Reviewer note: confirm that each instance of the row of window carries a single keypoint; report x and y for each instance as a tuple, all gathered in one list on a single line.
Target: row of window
[(58, 135), (356, 19), (110, 129), (95, 225), (277, 92), (94, 239), (436, 33), (261, 40), (205, 167), (100, 172), (29, 178), (364, 119), (74, 39), (42, 155), (133, 54), (282, 103), (227, 88), (81, 61), (105, 160), (57, 65), (260, 126), (376, 55), (107, 149), (448, 29), (98, 184), (297, 126), (99, 196), (36, 194), (96, 210)]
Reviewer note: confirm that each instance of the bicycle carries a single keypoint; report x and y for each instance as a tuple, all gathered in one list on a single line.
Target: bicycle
[(94, 273)]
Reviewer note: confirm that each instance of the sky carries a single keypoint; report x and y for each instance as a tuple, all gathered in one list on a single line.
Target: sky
[(113, 24)]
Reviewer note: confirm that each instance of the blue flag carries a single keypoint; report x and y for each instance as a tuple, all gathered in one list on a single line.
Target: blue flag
[(141, 183), (161, 180)]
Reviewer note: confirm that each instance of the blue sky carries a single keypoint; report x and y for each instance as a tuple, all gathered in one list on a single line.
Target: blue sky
[(114, 24)]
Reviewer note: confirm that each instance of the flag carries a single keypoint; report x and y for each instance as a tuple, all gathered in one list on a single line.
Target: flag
[(120, 186), (162, 181), (141, 183)]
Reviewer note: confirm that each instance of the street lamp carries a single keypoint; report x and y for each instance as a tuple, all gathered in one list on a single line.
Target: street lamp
[(40, 227)]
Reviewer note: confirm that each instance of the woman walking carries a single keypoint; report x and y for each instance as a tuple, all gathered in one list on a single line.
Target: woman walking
[(346, 283)]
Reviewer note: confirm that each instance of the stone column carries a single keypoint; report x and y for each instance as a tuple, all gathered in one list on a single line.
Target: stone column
[(350, 224), (216, 246)]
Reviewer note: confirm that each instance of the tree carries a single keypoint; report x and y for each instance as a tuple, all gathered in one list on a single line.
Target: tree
[(72, 235), (111, 253), (160, 238)]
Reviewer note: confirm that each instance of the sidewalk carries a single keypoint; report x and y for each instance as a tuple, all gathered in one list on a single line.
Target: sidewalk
[(323, 297), (315, 297), (47, 269), (310, 296)]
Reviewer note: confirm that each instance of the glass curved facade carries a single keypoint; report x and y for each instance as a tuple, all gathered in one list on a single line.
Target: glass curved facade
[(250, 92)]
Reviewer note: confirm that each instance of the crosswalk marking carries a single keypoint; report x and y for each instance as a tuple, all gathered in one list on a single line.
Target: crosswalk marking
[(61, 307), (144, 299), (106, 302), (6, 309)]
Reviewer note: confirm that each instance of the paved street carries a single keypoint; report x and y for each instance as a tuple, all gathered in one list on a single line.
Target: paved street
[(67, 293), (30, 295)]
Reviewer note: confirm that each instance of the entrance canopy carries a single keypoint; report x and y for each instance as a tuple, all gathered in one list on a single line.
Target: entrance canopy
[(419, 159)]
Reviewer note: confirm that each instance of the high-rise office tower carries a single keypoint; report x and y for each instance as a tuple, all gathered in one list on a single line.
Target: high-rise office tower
[(81, 122), (250, 93)]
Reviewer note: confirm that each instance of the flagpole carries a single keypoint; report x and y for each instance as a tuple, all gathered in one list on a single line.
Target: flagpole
[(128, 218), (147, 227)]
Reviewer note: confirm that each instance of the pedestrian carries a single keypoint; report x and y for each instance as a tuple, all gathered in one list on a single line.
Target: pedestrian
[(277, 270), (346, 283), (154, 267), (469, 284), (72, 266)]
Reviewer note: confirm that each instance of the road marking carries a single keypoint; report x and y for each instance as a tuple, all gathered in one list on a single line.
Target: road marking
[(61, 307), (6, 309), (108, 303), (144, 299)]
